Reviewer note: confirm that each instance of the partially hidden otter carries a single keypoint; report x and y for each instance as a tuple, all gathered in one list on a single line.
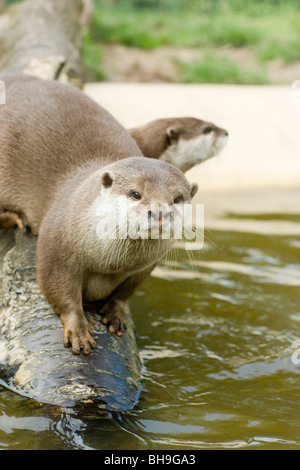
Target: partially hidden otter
[(182, 141), (66, 167)]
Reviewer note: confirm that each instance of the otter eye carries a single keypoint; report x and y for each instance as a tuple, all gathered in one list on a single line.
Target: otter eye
[(135, 195), (207, 130), (178, 199)]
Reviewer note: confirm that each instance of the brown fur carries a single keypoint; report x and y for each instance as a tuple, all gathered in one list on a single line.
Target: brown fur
[(59, 151), (35, 124)]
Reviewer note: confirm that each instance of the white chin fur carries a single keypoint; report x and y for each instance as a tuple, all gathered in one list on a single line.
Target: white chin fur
[(113, 217), (187, 153), (220, 144)]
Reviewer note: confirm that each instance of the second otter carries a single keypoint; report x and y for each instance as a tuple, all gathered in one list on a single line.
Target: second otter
[(63, 161), (184, 142)]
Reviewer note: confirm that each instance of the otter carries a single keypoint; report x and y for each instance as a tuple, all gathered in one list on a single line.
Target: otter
[(183, 142), (66, 165)]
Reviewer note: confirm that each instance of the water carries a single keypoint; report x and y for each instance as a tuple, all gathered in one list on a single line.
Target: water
[(218, 339)]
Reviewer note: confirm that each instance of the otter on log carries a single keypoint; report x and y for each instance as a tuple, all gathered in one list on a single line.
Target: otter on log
[(66, 168)]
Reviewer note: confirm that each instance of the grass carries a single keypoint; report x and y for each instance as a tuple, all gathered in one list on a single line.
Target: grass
[(149, 30), (215, 68), (269, 32), (92, 57), (276, 48)]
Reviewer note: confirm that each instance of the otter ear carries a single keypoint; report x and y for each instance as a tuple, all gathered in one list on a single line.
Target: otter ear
[(107, 179), (194, 189), (172, 135)]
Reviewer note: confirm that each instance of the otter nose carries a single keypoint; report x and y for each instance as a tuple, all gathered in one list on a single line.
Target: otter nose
[(159, 216)]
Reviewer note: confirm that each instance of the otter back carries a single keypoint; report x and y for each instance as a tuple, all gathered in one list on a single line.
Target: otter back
[(64, 161), (46, 131)]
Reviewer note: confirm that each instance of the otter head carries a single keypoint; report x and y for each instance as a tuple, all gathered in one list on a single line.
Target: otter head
[(144, 200), (191, 141)]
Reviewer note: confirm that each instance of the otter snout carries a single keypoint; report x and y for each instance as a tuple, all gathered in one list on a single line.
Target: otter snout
[(152, 221), (160, 216), (160, 221), (221, 140)]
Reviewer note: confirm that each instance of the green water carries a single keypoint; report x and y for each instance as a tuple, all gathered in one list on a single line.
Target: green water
[(217, 336)]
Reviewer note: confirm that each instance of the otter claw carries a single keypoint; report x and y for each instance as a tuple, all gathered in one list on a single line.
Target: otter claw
[(113, 317), (115, 324), (79, 343), (79, 337), (118, 331)]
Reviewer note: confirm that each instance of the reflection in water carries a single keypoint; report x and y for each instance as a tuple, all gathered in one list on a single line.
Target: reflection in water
[(216, 335)]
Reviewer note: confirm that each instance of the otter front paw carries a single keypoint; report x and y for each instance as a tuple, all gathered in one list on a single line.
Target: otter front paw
[(77, 333), (113, 317)]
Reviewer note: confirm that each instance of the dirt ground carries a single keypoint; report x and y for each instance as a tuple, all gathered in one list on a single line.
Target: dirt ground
[(130, 64)]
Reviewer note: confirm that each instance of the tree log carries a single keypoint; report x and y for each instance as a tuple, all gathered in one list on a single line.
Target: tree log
[(44, 38), (33, 360)]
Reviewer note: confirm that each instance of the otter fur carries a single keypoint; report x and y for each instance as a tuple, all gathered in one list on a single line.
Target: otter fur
[(64, 162)]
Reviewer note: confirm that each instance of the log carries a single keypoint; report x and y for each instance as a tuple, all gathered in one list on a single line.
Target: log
[(44, 39), (33, 360)]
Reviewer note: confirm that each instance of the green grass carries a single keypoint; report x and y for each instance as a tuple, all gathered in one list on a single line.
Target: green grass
[(139, 29), (151, 29), (269, 32), (92, 57), (278, 32), (215, 68), (276, 48)]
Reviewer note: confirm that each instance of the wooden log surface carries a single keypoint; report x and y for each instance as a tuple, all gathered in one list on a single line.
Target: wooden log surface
[(33, 360), (44, 38)]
